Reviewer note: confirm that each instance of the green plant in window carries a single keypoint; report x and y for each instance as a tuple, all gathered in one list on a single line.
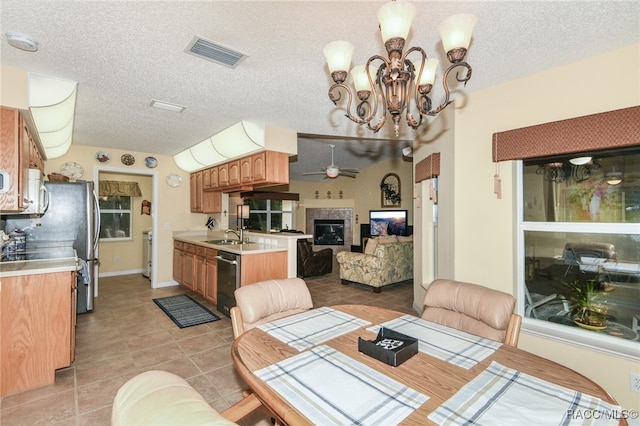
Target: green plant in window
[(585, 300)]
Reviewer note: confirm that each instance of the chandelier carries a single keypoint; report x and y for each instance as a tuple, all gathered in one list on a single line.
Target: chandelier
[(397, 79)]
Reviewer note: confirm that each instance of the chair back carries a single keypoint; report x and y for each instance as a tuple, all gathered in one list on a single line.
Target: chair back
[(267, 301), (474, 309)]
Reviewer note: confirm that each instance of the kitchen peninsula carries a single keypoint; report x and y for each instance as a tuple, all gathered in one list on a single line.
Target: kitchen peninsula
[(201, 260)]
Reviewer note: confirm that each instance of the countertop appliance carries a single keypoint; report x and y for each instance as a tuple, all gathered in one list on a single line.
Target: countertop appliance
[(228, 280), (147, 252), (72, 219)]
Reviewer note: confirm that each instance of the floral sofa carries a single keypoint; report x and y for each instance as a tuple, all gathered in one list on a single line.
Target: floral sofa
[(386, 260)]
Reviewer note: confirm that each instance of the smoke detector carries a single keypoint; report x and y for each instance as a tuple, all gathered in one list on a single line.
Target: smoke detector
[(22, 41)]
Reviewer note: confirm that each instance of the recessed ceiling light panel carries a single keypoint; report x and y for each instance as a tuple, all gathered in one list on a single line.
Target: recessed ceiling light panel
[(167, 106), (22, 41)]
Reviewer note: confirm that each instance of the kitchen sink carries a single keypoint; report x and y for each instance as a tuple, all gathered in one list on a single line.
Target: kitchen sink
[(224, 242)]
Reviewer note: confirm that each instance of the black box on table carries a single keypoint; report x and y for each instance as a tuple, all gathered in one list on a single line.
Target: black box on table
[(390, 347)]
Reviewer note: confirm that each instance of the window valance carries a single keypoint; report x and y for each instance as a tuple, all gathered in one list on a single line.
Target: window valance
[(428, 168), (613, 129), (110, 188)]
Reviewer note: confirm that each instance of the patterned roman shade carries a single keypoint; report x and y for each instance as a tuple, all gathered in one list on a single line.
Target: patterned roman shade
[(614, 129)]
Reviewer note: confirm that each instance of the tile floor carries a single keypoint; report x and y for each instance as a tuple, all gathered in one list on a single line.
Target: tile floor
[(127, 334)]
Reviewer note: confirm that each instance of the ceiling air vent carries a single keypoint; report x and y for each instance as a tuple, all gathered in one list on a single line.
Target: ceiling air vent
[(214, 52)]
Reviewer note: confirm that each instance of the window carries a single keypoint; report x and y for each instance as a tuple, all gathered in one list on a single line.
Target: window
[(579, 243), (115, 217), (270, 215)]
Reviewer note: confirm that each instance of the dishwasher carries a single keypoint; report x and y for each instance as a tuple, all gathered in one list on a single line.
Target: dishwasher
[(228, 280)]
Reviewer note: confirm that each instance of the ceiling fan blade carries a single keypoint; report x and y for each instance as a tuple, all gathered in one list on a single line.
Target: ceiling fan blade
[(347, 174), (314, 173), (350, 170)]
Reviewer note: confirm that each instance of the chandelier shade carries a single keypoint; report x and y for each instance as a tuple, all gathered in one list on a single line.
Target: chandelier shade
[(396, 82), (395, 19), (456, 30)]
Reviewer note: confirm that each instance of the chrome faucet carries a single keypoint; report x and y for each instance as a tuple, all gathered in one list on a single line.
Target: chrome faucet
[(238, 234)]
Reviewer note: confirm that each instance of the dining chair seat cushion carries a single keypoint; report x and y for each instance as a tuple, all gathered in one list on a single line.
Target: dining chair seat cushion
[(270, 300), (469, 307), (162, 398)]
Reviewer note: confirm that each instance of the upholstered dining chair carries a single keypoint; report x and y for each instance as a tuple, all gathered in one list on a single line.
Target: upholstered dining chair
[(162, 398), (474, 309), (268, 301)]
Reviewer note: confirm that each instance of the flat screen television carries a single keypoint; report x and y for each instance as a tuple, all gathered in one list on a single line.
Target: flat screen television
[(388, 222)]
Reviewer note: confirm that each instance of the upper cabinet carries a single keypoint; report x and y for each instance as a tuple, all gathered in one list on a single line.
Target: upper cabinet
[(19, 153), (266, 168)]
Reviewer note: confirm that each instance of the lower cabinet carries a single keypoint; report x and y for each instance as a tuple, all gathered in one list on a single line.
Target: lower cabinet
[(37, 329), (195, 268)]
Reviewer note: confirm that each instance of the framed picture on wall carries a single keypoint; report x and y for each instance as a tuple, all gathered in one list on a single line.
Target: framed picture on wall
[(390, 191)]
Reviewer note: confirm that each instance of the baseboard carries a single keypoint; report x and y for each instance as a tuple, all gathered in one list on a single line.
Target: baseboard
[(118, 273), (170, 283)]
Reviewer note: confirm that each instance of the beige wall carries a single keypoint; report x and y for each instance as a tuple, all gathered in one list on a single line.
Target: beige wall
[(485, 226), (361, 193), (170, 209)]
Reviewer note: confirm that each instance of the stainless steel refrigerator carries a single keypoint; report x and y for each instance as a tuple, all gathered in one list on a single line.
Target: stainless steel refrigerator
[(72, 219)]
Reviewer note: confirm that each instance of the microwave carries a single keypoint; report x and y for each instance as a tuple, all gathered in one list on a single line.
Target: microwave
[(36, 198)]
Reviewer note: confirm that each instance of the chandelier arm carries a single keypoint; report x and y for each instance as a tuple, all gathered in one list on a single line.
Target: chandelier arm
[(376, 83), (335, 96), (445, 86), (411, 122)]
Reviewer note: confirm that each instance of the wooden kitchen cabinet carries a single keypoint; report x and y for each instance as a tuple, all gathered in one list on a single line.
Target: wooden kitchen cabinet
[(223, 175), (211, 277), (177, 261), (210, 179), (14, 161), (200, 266), (37, 329), (203, 201), (188, 265), (234, 173)]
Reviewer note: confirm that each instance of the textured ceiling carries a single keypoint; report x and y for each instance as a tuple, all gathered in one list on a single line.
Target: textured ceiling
[(123, 54)]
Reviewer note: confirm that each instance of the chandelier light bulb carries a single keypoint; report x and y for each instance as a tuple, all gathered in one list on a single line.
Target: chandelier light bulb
[(428, 75), (395, 19), (338, 54), (456, 31), (360, 77)]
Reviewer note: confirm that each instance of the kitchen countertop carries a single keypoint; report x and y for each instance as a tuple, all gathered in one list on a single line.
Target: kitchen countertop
[(242, 249), (42, 266)]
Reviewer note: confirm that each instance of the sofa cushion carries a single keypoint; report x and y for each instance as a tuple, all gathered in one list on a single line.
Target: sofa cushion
[(371, 245)]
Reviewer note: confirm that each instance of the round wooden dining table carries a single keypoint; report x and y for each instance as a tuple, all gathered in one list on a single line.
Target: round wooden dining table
[(440, 380)]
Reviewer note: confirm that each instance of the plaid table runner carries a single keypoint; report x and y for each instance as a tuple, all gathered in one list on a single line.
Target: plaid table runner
[(313, 327), (448, 344), (503, 396), (330, 388)]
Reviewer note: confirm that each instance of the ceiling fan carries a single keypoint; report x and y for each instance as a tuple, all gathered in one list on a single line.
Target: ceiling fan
[(334, 171)]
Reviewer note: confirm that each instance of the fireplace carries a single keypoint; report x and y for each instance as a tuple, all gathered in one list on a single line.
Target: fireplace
[(328, 232), (330, 216)]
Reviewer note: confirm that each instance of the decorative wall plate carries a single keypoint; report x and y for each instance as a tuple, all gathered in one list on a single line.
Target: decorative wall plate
[(103, 157), (150, 162), (174, 180), (127, 159), (71, 170)]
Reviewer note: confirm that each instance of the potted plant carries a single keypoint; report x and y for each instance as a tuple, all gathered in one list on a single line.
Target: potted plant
[(587, 308)]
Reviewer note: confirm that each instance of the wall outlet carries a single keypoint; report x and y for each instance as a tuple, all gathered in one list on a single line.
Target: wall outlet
[(635, 382), (116, 259)]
